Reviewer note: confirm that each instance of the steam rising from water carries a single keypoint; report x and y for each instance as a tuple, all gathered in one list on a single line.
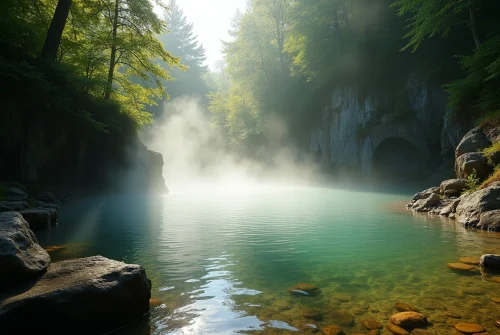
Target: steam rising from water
[(196, 153)]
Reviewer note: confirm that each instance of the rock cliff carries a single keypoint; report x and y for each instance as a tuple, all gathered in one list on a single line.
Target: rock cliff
[(375, 134)]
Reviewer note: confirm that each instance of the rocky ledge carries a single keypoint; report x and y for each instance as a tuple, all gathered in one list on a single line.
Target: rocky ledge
[(462, 198), (90, 295)]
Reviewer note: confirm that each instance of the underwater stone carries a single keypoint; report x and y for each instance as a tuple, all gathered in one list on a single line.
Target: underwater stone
[(342, 317), (402, 307), (470, 260), (461, 267), (408, 319), (342, 297), (311, 313), (332, 330), (396, 330), (371, 324), (469, 328)]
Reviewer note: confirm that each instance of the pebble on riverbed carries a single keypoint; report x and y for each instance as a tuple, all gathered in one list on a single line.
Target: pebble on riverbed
[(303, 289)]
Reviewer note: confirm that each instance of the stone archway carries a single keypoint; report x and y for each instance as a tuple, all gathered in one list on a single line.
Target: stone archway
[(399, 152)]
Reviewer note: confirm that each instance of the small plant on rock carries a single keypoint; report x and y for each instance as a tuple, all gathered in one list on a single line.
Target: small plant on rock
[(473, 182)]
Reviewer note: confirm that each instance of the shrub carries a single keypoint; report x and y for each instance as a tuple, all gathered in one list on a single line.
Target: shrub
[(472, 182)]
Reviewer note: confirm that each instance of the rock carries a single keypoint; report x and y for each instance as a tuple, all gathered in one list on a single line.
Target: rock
[(461, 267), (470, 260), (373, 332), (40, 218), (453, 185), (342, 297), (431, 304), (469, 328), (453, 315), (155, 302), (402, 307), (396, 330), (358, 310), (303, 289), (21, 257), (408, 319), (489, 221), (473, 141), (466, 164), (93, 295), (13, 206), (52, 206), (16, 185), (420, 332), (495, 300), (426, 203), (472, 290), (432, 190), (332, 330), (451, 208), (371, 324), (490, 261), (46, 197), (312, 313), (16, 194), (472, 205), (342, 317)]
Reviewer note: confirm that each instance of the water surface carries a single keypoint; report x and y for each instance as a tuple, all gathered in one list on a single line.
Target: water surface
[(221, 260)]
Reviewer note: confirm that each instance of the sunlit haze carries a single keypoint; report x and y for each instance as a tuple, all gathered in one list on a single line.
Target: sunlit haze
[(211, 20)]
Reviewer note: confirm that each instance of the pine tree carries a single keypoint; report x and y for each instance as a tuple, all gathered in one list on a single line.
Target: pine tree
[(181, 42)]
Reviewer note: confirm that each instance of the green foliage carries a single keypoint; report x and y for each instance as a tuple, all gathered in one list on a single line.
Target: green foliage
[(473, 182), (494, 177), (492, 152)]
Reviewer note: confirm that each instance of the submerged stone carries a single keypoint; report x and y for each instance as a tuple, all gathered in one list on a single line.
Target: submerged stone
[(469, 328), (312, 313), (461, 267), (408, 319), (496, 299), (431, 304), (470, 260), (342, 297), (155, 302), (332, 330), (453, 315), (402, 307), (396, 330), (342, 317), (420, 332), (371, 324)]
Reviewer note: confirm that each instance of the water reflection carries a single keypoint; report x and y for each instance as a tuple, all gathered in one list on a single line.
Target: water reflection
[(210, 308)]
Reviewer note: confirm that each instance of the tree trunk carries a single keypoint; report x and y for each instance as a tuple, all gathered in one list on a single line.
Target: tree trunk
[(53, 38), (473, 23), (112, 59)]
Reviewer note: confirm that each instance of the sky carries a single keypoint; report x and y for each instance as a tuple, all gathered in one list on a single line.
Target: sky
[(211, 20)]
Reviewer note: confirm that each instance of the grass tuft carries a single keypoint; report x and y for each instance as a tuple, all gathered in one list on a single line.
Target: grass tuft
[(495, 176)]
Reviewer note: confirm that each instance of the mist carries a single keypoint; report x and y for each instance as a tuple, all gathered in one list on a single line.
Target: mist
[(196, 153)]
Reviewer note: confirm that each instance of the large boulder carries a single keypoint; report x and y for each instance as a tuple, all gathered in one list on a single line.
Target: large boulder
[(472, 205), (456, 185), (425, 204), (490, 221), (21, 257), (473, 141), (92, 295), (467, 163), (40, 218), (13, 206)]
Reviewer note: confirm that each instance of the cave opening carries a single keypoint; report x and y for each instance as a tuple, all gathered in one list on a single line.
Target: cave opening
[(396, 159)]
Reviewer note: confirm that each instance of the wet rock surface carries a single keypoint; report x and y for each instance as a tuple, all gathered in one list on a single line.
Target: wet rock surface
[(93, 295), (472, 205), (40, 218)]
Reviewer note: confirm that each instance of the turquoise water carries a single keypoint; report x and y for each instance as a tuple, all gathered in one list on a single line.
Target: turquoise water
[(222, 260)]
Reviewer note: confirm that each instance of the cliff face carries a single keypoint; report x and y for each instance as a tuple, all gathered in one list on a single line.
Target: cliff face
[(39, 150), (364, 133)]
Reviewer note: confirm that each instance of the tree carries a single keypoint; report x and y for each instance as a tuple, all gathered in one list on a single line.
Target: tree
[(181, 41), (53, 39)]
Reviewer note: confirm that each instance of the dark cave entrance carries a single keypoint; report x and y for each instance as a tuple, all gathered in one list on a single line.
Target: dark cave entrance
[(396, 159)]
